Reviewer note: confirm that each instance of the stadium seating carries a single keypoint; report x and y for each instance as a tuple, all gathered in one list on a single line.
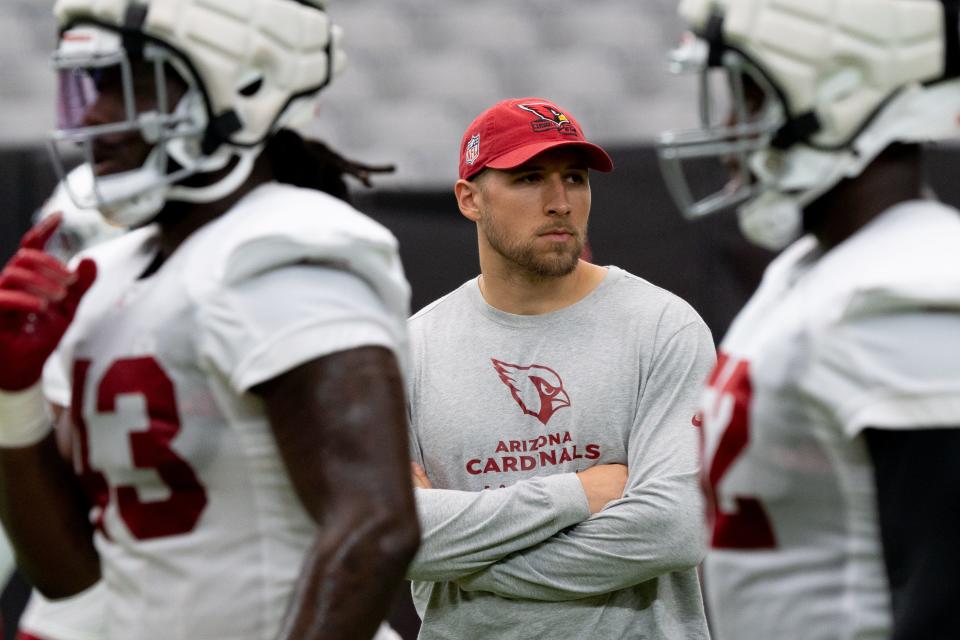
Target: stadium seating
[(420, 70)]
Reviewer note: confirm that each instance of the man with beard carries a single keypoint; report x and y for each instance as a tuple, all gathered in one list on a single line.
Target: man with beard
[(539, 378)]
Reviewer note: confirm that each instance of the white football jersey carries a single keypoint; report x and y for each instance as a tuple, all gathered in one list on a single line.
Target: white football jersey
[(200, 533), (865, 335), (80, 617)]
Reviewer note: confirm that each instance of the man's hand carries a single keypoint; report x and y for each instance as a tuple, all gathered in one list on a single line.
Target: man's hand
[(39, 296), (603, 483), (420, 479)]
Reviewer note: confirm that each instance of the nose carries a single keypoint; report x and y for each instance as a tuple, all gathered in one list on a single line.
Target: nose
[(556, 198)]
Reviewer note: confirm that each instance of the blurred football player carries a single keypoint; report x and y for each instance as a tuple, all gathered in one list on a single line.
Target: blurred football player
[(233, 363), (80, 617), (832, 421)]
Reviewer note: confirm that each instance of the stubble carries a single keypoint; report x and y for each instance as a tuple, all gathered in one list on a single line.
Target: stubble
[(558, 260)]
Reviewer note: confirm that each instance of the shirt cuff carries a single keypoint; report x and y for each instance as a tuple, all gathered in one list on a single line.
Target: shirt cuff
[(567, 497)]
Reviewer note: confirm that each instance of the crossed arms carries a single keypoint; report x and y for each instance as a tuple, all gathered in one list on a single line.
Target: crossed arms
[(531, 541)]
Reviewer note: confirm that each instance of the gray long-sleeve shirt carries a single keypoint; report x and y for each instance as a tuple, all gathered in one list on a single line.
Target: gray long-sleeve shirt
[(504, 410)]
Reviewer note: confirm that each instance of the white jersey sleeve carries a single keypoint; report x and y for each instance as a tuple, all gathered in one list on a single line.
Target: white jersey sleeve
[(277, 320), (292, 275), (886, 353), (80, 617), (891, 371)]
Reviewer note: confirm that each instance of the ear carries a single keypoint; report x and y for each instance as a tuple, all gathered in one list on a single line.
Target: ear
[(468, 199)]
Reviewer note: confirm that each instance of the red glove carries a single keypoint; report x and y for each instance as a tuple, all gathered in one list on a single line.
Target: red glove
[(39, 296)]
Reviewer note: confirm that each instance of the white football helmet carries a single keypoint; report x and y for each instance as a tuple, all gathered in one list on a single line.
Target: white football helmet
[(80, 228), (813, 92), (250, 66)]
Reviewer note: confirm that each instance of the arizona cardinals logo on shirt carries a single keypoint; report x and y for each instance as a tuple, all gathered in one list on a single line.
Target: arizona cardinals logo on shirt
[(537, 389)]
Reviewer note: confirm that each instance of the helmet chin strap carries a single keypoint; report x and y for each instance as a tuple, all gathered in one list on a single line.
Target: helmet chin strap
[(186, 152), (110, 193), (774, 219), (789, 181), (153, 188), (223, 187)]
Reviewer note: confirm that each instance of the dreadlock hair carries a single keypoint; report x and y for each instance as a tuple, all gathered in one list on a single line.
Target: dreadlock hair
[(311, 164)]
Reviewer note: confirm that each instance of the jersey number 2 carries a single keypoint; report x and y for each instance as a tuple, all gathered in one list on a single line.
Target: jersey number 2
[(747, 526), (149, 449)]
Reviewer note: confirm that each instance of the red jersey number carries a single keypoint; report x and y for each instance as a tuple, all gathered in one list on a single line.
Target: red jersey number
[(150, 449), (748, 526)]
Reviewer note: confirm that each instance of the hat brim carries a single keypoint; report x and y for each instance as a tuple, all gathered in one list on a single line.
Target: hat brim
[(597, 158)]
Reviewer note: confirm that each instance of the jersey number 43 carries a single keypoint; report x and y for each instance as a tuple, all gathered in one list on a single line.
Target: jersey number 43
[(149, 449)]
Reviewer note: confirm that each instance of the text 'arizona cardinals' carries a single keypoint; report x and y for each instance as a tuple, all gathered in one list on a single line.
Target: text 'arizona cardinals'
[(542, 451)]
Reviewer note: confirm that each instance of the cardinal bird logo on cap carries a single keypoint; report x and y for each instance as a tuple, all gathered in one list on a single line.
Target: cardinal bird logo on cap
[(549, 117), (537, 389)]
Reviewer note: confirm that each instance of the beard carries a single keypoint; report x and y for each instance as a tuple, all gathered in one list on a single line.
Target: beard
[(559, 260)]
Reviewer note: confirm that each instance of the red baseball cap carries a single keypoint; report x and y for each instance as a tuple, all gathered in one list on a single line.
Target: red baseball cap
[(512, 131)]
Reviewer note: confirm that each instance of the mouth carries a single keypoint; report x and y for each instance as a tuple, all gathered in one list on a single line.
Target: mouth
[(557, 235)]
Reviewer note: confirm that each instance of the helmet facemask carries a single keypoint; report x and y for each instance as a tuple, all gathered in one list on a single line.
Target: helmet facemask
[(740, 113), (162, 106), (743, 116), (827, 111), (242, 75), (80, 228)]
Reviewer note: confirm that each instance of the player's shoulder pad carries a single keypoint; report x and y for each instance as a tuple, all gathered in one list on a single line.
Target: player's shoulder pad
[(279, 225), (905, 260)]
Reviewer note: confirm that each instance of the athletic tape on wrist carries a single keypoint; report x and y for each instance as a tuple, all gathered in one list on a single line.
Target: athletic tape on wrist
[(23, 417)]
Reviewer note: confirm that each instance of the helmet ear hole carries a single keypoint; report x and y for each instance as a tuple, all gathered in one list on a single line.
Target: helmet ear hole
[(251, 84), (251, 89)]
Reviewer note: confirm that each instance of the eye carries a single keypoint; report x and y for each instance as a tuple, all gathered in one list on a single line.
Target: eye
[(545, 387), (578, 177), (529, 178)]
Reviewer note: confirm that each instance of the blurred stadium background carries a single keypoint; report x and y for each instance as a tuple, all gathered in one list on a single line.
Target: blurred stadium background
[(419, 71)]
